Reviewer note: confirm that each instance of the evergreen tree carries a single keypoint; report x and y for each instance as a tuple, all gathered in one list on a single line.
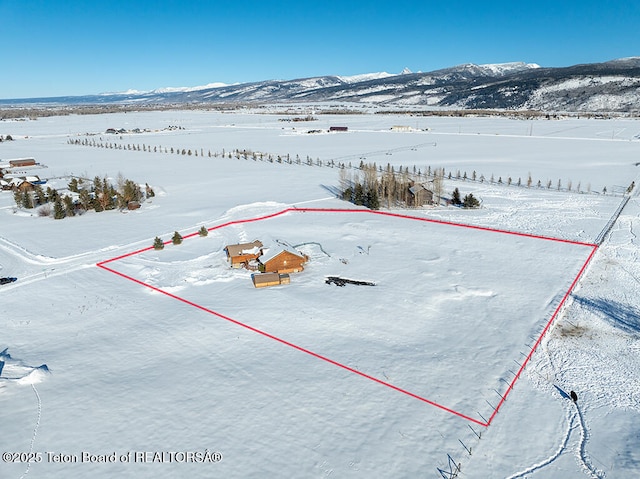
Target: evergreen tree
[(27, 201), (203, 231), (470, 201), (73, 185), (50, 194), (177, 238), (41, 197), (84, 199), (109, 195), (358, 195), (158, 244), (58, 209), (372, 199), (455, 197), (97, 186), (129, 191), (69, 207)]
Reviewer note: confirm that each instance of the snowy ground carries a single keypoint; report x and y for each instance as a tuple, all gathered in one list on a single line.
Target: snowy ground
[(453, 314)]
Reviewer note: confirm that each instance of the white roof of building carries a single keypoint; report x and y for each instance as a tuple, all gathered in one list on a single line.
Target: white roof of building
[(244, 248), (273, 252)]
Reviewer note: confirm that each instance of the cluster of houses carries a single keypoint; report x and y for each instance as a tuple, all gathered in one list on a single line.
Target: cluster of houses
[(272, 265), (10, 180)]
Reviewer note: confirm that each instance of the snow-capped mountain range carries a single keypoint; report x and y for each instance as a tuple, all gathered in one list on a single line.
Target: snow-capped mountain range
[(612, 86)]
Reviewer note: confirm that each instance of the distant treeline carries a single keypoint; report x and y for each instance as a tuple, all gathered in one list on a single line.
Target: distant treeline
[(33, 112), (247, 154)]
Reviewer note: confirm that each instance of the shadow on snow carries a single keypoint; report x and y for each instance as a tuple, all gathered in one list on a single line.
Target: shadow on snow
[(621, 316)]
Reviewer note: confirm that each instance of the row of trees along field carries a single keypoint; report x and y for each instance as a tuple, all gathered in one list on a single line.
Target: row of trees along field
[(98, 195), (370, 187), (529, 182), (176, 239)]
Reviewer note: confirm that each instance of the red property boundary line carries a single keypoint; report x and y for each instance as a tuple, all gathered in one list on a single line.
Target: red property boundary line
[(510, 386)]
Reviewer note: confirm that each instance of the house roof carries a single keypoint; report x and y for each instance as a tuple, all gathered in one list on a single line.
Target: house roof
[(274, 252), (243, 248), (417, 188), (265, 278)]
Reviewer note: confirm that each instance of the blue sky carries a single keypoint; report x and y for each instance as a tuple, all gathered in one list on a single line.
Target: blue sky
[(67, 47)]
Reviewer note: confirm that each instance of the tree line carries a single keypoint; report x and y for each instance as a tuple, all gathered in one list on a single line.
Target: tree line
[(426, 175), (371, 186)]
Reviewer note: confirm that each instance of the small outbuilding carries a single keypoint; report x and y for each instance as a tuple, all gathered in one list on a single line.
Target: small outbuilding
[(282, 261), (20, 162), (239, 255), (263, 280), (419, 195)]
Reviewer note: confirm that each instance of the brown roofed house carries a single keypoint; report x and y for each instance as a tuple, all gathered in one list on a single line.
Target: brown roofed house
[(239, 255), (282, 261)]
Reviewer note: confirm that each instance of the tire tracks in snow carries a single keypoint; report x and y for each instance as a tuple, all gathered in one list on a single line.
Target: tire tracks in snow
[(584, 436), (554, 456), (583, 458), (31, 267)]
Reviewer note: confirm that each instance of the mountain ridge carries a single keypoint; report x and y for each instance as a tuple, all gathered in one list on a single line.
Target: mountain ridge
[(612, 86)]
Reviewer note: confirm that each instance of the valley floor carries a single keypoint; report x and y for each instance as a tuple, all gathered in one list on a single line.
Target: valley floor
[(96, 363)]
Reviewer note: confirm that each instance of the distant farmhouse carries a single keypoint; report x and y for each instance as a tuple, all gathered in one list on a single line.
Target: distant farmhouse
[(10, 180), (22, 162), (419, 195), (20, 183)]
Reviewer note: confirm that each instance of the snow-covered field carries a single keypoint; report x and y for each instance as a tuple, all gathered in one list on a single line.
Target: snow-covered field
[(309, 379)]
